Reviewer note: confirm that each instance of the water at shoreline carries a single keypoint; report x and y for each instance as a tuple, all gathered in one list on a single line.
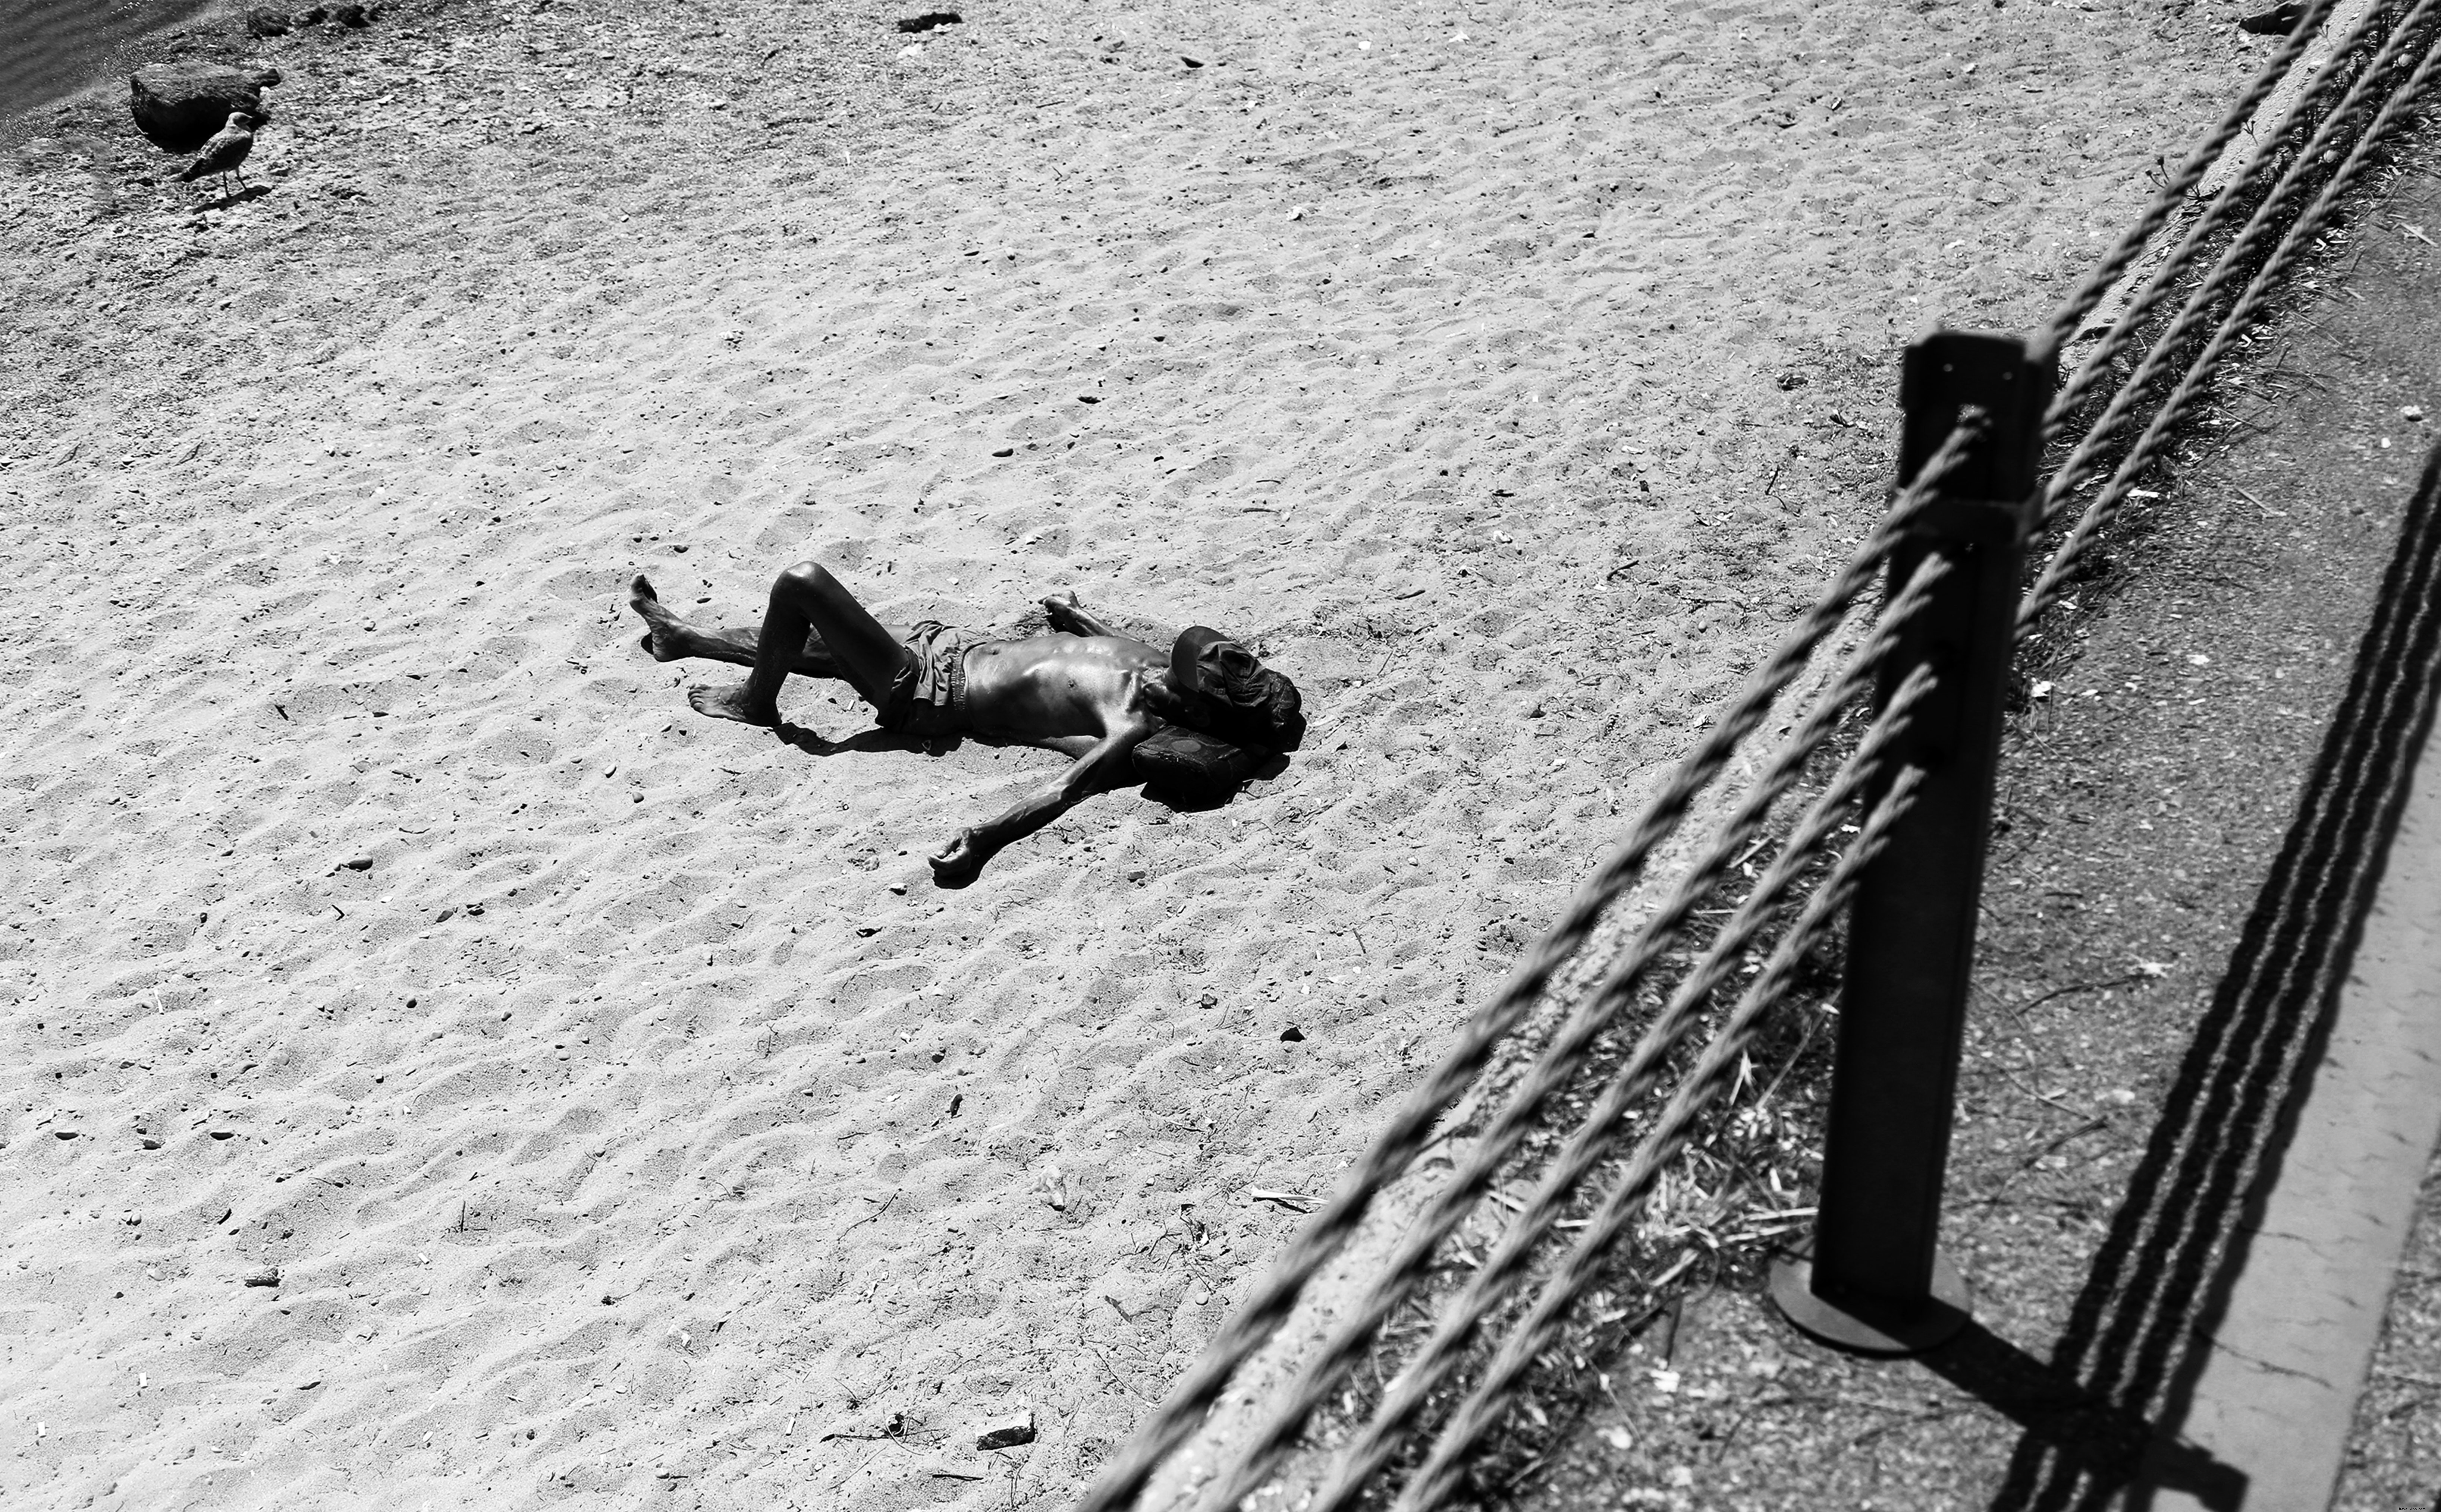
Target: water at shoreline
[(52, 48)]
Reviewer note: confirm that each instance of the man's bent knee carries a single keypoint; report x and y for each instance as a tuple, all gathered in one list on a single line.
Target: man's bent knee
[(807, 577)]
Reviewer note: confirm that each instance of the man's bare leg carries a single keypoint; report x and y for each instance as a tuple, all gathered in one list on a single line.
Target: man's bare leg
[(670, 638), (807, 600)]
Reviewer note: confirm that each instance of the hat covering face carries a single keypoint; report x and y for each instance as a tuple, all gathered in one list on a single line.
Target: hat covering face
[(1239, 698)]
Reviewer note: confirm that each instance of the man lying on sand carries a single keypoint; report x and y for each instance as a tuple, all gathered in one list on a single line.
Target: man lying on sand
[(1086, 690)]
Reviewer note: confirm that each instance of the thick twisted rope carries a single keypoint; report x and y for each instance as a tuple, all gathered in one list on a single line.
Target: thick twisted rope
[(2073, 472), (2105, 505), (1479, 1416), (1410, 1128), (2173, 193), (1396, 1148), (1561, 1061), (1506, 1270), (2160, 283)]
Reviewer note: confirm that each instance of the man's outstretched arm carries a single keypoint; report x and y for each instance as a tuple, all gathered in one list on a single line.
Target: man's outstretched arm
[(958, 862)]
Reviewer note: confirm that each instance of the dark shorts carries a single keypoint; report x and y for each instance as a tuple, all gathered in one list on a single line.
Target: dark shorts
[(929, 691)]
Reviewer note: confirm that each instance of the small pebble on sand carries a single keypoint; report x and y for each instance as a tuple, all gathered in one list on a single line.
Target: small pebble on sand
[(1007, 1431)]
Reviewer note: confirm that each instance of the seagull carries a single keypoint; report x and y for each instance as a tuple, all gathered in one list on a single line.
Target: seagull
[(225, 152)]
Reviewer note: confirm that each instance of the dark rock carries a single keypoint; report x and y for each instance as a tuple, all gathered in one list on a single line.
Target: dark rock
[(930, 19), (313, 17), (352, 15), (2277, 22), (179, 105), (1007, 1431), (265, 22)]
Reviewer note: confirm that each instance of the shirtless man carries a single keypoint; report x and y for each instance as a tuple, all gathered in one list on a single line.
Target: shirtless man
[(1086, 691)]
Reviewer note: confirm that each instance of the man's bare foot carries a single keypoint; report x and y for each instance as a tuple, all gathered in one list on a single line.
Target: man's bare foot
[(734, 703), (665, 633)]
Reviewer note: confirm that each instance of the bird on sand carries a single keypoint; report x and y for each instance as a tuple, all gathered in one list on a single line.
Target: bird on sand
[(225, 152)]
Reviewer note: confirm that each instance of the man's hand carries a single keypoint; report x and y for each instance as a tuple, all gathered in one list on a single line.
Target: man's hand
[(1069, 615), (958, 862), (961, 858)]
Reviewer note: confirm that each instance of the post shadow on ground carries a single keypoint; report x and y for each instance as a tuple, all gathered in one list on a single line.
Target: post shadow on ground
[(2073, 1422), (2102, 1420)]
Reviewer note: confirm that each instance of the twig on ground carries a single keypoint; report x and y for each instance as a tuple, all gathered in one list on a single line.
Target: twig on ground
[(875, 1213), (2011, 1077), (1928, 1415), (1117, 1379), (2056, 1141), (2019, 1008), (1531, 1465)]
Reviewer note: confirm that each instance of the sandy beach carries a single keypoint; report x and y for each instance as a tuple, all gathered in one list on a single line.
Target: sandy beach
[(619, 1108)]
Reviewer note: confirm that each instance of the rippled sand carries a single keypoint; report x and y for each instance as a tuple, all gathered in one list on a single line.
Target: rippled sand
[(623, 1110)]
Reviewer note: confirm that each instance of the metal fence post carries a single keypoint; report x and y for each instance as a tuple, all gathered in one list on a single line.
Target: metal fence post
[(1873, 1280)]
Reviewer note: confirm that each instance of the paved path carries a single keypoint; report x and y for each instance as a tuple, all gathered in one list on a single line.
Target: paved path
[(2290, 1354)]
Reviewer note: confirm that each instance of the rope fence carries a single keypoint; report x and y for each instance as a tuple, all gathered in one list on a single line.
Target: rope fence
[(2422, 45), (1480, 1414), (2074, 470), (1557, 1068), (1506, 1270), (1411, 1128), (1909, 798), (2157, 213)]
